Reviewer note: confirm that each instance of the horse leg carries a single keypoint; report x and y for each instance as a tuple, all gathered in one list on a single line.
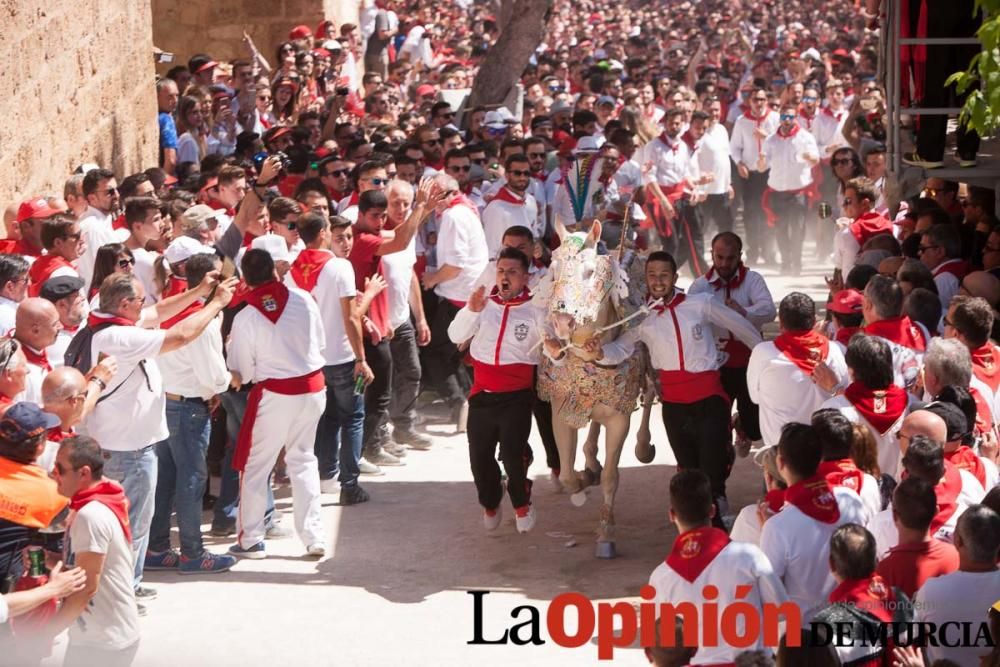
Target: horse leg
[(592, 467), (566, 442), (645, 451), (617, 427)]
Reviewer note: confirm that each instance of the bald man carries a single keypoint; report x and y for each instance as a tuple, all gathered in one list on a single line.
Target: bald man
[(10, 222), (70, 395), (36, 327), (922, 422), (982, 284)]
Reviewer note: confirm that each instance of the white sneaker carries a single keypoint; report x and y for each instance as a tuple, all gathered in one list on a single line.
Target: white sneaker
[(526, 522), (329, 486), (316, 549), (492, 521)]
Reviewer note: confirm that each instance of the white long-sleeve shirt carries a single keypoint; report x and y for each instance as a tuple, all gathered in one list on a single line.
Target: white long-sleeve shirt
[(752, 294), (744, 145), (499, 216), (672, 162), (461, 243), (198, 369), (97, 230), (789, 169), (713, 156), (502, 333), (827, 129)]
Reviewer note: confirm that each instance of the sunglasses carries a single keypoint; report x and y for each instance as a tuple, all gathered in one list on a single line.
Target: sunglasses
[(126, 262), (457, 168), (338, 173), (291, 226), (924, 248), (449, 114), (378, 181), (519, 172), (809, 99), (840, 161), (786, 116)]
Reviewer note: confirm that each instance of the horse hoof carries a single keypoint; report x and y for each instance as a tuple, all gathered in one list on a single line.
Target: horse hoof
[(645, 454), (579, 499), (606, 550)]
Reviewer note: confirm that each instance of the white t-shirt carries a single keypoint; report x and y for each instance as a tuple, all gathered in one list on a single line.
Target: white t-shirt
[(397, 269), (335, 282), (134, 416), (8, 313), (111, 620), (143, 270), (954, 598)]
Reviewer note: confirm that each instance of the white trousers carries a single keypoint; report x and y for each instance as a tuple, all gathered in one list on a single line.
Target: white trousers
[(289, 422)]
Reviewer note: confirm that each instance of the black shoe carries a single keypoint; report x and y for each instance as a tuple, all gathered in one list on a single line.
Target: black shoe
[(223, 530), (353, 495), (143, 593)]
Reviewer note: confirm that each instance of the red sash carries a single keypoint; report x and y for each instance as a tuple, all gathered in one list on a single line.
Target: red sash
[(40, 359), (844, 334), (985, 364), (307, 267), (501, 378), (657, 216), (270, 299), (739, 354), (775, 499), (505, 194), (880, 407), (842, 472), (964, 458), (296, 386), (683, 386), (461, 200), (42, 269), (956, 267), (947, 491), (836, 116), (219, 206), (183, 315), (805, 349), (899, 330), (111, 495), (807, 118), (695, 550), (814, 498), (868, 225), (871, 595)]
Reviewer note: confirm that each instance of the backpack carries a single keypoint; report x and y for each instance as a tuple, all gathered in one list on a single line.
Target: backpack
[(78, 354)]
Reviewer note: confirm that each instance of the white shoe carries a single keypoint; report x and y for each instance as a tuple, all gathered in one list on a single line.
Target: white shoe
[(492, 522), (316, 549), (526, 522), (329, 486)]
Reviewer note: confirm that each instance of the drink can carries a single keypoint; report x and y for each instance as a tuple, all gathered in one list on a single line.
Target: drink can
[(36, 558), (359, 385), (825, 210)]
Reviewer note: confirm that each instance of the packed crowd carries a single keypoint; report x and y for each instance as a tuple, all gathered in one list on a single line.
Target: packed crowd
[(325, 238)]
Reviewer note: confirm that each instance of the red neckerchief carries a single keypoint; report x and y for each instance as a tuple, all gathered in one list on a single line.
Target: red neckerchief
[(40, 359), (96, 319), (947, 490), (219, 206), (42, 269), (672, 144), (337, 195), (880, 407), (507, 195), (538, 175), (805, 349), (814, 497), (691, 142), (111, 495), (791, 133), (899, 330), (308, 265), (119, 222), (871, 595), (836, 116), (807, 118), (56, 434), (718, 282), (248, 239), (18, 247), (269, 298), (694, 550), (461, 200), (844, 334), (964, 458), (775, 499), (986, 365), (466, 189), (868, 225), (523, 297), (842, 472), (676, 300), (191, 309), (5, 402), (956, 267), (175, 285), (984, 413)]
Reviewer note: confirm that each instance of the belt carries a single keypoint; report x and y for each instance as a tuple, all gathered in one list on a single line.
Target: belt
[(186, 399)]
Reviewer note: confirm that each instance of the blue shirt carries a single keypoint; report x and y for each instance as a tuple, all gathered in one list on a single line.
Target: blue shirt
[(168, 131)]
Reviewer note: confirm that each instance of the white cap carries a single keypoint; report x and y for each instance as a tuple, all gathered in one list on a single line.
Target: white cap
[(498, 117), (811, 53), (587, 145), (274, 245), (332, 45), (184, 248)]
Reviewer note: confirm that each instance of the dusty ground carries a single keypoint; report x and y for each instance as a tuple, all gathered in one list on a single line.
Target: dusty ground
[(393, 587)]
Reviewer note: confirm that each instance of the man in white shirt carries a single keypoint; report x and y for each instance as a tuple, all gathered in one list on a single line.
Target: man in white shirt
[(746, 292), (790, 153), (859, 198), (131, 417), (780, 372), (836, 436), (827, 128), (101, 190), (750, 131), (511, 206), (703, 555), (144, 224), (462, 255), (284, 214), (193, 376), (967, 595), (103, 618), (36, 329), (941, 252), (277, 343), (713, 158), (797, 539), (13, 289)]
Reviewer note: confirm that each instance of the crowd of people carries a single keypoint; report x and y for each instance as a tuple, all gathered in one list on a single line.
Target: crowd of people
[(326, 244)]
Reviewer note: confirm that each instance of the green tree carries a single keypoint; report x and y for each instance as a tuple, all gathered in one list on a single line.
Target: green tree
[(981, 79)]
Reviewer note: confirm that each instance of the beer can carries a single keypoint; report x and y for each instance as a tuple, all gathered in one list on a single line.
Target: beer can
[(359, 385), (825, 210), (36, 558)]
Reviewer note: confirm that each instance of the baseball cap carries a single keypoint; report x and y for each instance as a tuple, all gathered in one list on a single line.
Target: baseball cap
[(498, 118), (606, 99), (846, 302), (561, 106), (953, 417), (202, 63), (37, 208), (274, 245), (275, 132), (300, 32), (425, 89), (24, 421), (332, 45), (197, 215), (184, 248), (61, 287)]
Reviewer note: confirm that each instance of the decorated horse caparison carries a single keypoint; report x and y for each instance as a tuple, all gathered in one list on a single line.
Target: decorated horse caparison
[(590, 294)]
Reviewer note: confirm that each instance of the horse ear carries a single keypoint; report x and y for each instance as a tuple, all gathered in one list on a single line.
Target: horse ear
[(595, 232)]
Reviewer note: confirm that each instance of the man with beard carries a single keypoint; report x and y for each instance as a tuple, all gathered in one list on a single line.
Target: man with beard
[(750, 130), (66, 294), (429, 139), (746, 292), (512, 206), (713, 158)]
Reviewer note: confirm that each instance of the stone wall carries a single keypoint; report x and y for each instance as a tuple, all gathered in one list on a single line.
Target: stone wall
[(216, 26), (78, 87)]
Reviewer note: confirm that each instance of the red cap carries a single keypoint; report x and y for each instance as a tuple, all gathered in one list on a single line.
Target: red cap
[(566, 147), (321, 53), (210, 183), (170, 180), (210, 64), (275, 132), (841, 53), (37, 208), (846, 302), (288, 83), (425, 89), (300, 32)]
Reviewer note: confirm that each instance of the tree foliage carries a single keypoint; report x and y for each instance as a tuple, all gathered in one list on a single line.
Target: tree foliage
[(981, 79)]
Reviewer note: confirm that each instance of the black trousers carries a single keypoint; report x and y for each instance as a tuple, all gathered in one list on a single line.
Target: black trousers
[(945, 19), (716, 212), (734, 381), (377, 395), (699, 437), (758, 235), (405, 376), (790, 228), (543, 421), (503, 419), (443, 365), (688, 241)]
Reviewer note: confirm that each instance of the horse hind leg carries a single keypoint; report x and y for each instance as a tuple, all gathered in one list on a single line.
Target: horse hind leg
[(592, 467)]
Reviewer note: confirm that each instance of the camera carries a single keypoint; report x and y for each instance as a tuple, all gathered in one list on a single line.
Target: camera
[(258, 160), (342, 91)]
